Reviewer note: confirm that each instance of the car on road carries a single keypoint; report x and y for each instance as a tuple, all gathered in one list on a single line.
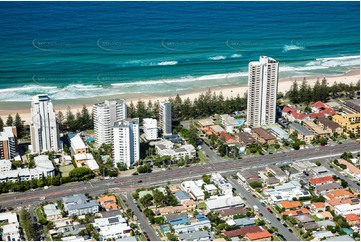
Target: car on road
[(42, 198), (140, 181), (291, 231), (263, 204), (261, 214), (284, 225), (278, 219), (156, 233), (254, 195)]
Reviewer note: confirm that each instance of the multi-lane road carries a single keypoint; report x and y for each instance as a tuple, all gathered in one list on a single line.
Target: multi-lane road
[(96, 187)]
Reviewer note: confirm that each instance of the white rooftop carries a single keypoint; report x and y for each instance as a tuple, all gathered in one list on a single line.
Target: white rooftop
[(92, 164), (223, 201), (77, 142)]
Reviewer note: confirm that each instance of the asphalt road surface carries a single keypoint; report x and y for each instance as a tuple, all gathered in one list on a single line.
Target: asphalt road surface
[(248, 198), (176, 175), (145, 226)]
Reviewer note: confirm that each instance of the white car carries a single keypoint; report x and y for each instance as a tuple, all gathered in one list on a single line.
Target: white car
[(42, 198)]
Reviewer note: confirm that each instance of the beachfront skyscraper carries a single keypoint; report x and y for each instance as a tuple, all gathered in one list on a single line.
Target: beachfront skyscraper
[(8, 143), (262, 91), (165, 117), (126, 141), (105, 114), (43, 126)]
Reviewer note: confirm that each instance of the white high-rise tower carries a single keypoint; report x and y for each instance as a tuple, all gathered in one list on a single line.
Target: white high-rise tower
[(43, 127), (126, 141), (165, 117), (105, 115), (262, 91)]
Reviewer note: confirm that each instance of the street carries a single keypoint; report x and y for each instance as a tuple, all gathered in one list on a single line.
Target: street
[(266, 214), (130, 183), (144, 225)]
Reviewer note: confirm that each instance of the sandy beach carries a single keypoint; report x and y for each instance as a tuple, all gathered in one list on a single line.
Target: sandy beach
[(353, 76)]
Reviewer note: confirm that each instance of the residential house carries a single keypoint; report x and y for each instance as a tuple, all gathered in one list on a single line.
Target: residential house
[(353, 219), (278, 132), (214, 129), (340, 238), (230, 123), (228, 213), (277, 172), (297, 212), (177, 218), (194, 226), (77, 145), (223, 202), (259, 236), (245, 222), (197, 236), (112, 228), (108, 202), (316, 181), (263, 137), (344, 209), (193, 190), (307, 222), (339, 194), (248, 176), (79, 204), (52, 212), (223, 184), (227, 138), (182, 196), (320, 235), (303, 134), (211, 189), (326, 188), (9, 224), (243, 231), (289, 204), (204, 123), (245, 139), (330, 126), (317, 130), (317, 207)]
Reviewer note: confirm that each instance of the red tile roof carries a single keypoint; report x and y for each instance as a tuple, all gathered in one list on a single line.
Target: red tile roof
[(352, 217), (319, 180), (242, 231), (329, 111), (319, 105), (299, 116), (259, 235), (288, 110), (315, 115)]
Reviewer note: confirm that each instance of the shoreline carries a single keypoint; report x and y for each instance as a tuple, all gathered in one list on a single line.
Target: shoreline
[(284, 84)]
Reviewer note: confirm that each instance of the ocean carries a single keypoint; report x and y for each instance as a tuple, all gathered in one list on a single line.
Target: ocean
[(73, 50)]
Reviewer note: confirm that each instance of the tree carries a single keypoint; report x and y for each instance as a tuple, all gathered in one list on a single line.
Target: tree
[(293, 94), (19, 124), (172, 237), (10, 120), (146, 200), (144, 169), (256, 184), (206, 178), (81, 173), (60, 118), (70, 120), (344, 183), (318, 163), (1, 124)]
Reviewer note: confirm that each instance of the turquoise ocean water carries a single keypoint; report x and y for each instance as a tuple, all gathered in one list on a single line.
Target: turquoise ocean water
[(76, 50)]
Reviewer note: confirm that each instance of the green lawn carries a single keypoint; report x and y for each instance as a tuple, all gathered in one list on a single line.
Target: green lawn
[(66, 169), (48, 238), (202, 205), (39, 214), (202, 157)]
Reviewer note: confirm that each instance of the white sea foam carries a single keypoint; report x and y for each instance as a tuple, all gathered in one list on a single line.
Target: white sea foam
[(218, 57), (168, 63), (236, 55), (287, 48)]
